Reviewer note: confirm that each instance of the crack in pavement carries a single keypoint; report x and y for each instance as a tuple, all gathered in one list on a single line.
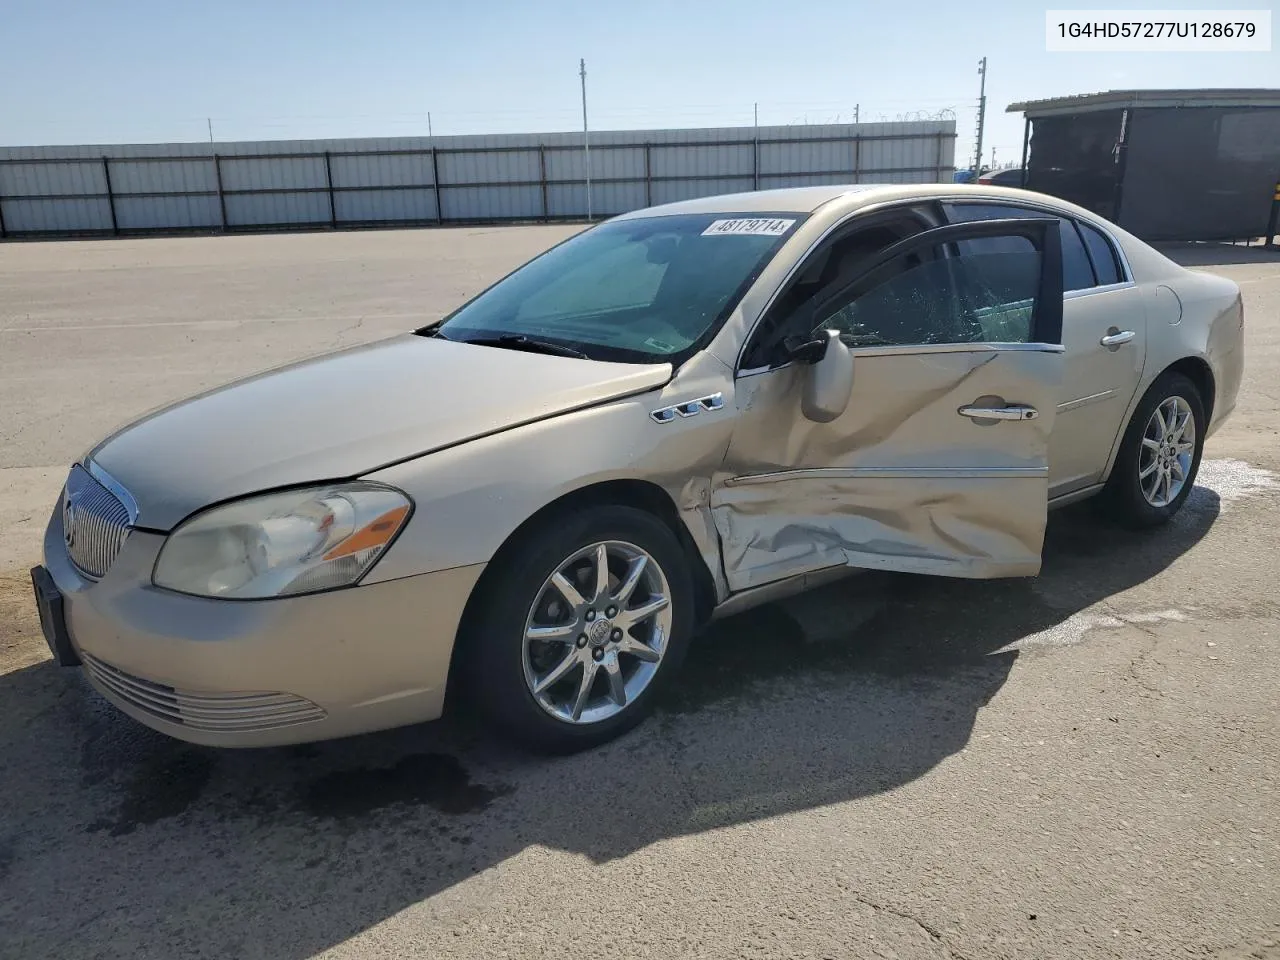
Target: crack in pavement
[(1143, 657), (351, 328), (932, 931)]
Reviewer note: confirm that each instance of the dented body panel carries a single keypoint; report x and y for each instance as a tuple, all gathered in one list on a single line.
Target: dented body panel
[(901, 481), (473, 497)]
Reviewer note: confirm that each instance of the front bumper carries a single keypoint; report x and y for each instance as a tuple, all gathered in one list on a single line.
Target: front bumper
[(266, 672)]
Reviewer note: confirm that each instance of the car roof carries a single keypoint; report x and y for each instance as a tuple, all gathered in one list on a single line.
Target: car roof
[(829, 205), (785, 200), (843, 198)]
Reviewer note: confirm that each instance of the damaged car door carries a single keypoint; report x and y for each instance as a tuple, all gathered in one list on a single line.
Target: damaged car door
[(900, 420)]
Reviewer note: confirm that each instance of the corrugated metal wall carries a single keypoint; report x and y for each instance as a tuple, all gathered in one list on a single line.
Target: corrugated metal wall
[(414, 180)]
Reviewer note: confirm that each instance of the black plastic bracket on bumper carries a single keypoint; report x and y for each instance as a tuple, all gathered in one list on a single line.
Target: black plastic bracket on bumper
[(53, 619)]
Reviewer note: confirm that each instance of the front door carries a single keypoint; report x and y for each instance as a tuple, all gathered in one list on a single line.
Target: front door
[(939, 464)]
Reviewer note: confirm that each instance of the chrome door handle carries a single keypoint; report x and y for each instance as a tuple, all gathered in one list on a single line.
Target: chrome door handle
[(1012, 412), (1117, 338)]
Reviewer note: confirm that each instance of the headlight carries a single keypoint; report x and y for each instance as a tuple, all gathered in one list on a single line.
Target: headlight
[(281, 544)]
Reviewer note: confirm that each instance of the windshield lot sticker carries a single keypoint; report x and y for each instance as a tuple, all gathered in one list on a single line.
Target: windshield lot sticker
[(756, 227)]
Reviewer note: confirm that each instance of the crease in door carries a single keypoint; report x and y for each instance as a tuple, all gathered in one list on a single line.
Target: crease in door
[(805, 521), (879, 524), (783, 438)]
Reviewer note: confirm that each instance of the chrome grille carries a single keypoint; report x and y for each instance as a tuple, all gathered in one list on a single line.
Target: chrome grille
[(216, 712), (95, 522)]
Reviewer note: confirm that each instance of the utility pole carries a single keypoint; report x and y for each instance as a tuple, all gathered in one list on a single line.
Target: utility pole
[(430, 135), (993, 158), (755, 146), (209, 121), (586, 137), (857, 107), (982, 116)]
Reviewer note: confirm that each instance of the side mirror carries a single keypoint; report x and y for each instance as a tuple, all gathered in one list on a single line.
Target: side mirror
[(828, 382), (804, 350)]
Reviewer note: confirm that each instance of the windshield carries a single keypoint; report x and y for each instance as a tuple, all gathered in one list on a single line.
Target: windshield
[(646, 290)]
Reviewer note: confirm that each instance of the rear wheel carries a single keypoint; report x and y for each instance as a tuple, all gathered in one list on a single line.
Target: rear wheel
[(1159, 455), (580, 624)]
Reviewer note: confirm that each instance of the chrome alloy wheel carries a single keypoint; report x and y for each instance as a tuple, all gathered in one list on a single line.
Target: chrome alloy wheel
[(1168, 446), (597, 632)]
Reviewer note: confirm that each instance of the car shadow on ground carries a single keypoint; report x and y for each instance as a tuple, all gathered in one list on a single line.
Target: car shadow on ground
[(1217, 254), (115, 841)]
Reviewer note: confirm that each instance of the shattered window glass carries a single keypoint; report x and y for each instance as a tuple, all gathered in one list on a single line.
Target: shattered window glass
[(976, 297)]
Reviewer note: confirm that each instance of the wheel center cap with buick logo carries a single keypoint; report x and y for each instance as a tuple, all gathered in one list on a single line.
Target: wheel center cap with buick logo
[(598, 633)]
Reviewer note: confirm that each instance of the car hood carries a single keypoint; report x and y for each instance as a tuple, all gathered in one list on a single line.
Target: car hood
[(344, 414)]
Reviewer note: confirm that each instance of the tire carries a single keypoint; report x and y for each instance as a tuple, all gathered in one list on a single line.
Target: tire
[(1126, 497), (500, 668)]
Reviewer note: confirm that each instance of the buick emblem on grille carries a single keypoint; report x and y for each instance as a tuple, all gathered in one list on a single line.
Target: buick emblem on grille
[(68, 522)]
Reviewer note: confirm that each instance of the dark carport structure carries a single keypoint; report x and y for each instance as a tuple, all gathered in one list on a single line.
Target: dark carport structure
[(1163, 164)]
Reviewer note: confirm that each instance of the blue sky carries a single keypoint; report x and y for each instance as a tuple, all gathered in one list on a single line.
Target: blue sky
[(141, 70)]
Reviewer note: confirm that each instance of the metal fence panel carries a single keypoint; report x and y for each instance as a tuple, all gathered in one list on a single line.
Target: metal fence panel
[(57, 216), (181, 212), (277, 209), (606, 163), (162, 176), (240, 173), (805, 180), (566, 201), (479, 166), (329, 183), (399, 170), (492, 203), (800, 157), (702, 161), (375, 206), (669, 191), (75, 178)]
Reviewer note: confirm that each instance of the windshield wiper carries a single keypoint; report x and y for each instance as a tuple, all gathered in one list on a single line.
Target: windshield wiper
[(517, 341)]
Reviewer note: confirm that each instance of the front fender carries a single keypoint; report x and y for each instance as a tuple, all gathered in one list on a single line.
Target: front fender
[(471, 498)]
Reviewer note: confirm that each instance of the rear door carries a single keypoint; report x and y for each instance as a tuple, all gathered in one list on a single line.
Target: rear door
[(940, 462), (1104, 333)]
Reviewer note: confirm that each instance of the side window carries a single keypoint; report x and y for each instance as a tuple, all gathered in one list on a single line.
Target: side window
[(1077, 274), (1103, 255), (827, 269), (980, 296)]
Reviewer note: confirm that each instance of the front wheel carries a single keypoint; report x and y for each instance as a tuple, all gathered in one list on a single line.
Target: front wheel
[(1159, 454), (577, 628)]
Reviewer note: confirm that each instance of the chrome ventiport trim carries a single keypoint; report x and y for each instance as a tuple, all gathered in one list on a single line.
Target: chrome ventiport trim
[(690, 408)]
